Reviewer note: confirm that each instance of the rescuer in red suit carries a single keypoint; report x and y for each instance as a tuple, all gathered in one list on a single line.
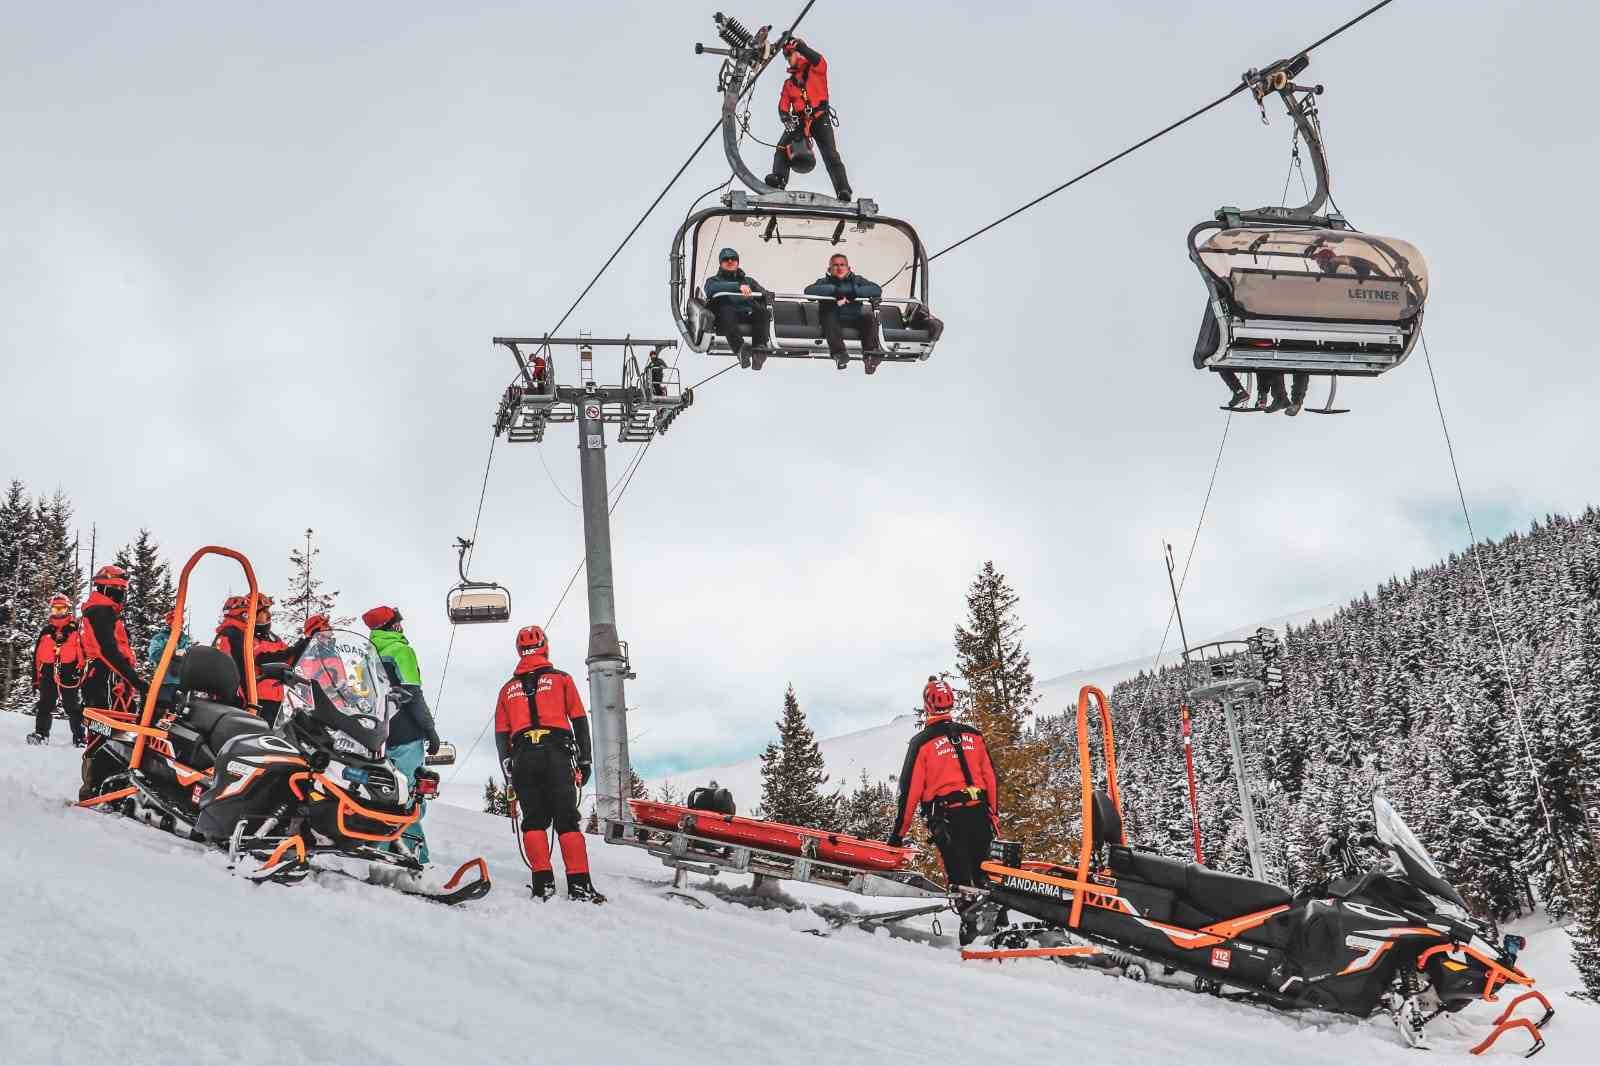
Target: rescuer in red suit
[(542, 735), (947, 773)]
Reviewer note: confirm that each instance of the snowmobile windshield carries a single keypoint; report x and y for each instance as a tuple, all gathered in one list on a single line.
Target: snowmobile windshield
[(340, 683), (1414, 858)]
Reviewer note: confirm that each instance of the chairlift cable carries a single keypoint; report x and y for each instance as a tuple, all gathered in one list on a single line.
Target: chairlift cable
[(1154, 136), (1194, 542), (553, 484), (483, 494), (1494, 620)]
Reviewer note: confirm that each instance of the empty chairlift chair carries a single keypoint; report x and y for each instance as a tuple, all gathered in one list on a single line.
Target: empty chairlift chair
[(474, 602)]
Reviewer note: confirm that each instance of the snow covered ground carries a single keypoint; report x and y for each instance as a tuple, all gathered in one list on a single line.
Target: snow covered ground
[(120, 944), (880, 750)]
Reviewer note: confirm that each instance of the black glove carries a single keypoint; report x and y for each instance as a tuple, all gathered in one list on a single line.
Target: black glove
[(585, 771), (896, 840), (433, 743)]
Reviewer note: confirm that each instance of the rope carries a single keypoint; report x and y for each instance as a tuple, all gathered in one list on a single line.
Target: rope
[(559, 490), (1190, 117), (1494, 619), (1194, 541)]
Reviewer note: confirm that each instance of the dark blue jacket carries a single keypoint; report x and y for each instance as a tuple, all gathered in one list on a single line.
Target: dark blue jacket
[(852, 287), (730, 281)]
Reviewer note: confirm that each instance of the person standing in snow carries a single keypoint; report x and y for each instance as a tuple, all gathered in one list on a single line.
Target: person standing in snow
[(268, 648), (107, 655), (542, 736), (57, 667), (412, 734), (947, 773)]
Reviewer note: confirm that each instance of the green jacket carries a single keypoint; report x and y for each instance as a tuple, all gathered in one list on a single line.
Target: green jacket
[(394, 647)]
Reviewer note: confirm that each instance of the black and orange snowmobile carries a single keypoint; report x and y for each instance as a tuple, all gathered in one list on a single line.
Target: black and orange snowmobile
[(1395, 937), (305, 795)]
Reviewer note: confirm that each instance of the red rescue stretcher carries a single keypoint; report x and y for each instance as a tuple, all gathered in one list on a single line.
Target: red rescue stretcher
[(773, 836)]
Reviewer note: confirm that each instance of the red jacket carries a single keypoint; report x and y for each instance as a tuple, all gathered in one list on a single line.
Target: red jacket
[(933, 771), (58, 645), (806, 87), (557, 704), (105, 639)]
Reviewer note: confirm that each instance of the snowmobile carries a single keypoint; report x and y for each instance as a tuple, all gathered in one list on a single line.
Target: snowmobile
[(318, 786), (1395, 937)]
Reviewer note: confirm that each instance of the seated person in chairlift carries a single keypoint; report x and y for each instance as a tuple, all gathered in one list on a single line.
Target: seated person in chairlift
[(656, 370), (736, 298), (1270, 396), (1329, 262), (844, 300), (539, 370), (803, 107)]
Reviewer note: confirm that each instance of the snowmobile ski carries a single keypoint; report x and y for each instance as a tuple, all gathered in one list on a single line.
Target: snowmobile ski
[(684, 897), (411, 882)]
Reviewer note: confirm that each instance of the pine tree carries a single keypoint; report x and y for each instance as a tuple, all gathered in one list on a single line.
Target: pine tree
[(1586, 924), (636, 786), (868, 812), (494, 799), (305, 596), (20, 551), (667, 794), (150, 591), (998, 698), (792, 773)]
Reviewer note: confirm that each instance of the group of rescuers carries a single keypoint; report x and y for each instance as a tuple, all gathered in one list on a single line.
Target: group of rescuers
[(540, 726)]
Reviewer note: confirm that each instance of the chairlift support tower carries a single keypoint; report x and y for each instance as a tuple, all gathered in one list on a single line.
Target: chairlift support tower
[(641, 408)]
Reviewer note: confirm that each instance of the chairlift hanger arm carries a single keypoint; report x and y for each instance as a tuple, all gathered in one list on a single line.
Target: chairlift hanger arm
[(592, 342), (1299, 102)]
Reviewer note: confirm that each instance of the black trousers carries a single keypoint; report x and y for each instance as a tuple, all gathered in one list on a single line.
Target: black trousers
[(730, 317), (1271, 382), (833, 324), (827, 147), (963, 836), (546, 792), (49, 693), (1230, 379)]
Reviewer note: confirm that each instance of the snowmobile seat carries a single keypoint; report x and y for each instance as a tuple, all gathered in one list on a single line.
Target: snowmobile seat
[(218, 723), (208, 669), (1152, 869), (1229, 894)]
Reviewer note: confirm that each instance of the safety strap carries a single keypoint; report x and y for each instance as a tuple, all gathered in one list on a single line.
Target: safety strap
[(952, 731), (536, 733)]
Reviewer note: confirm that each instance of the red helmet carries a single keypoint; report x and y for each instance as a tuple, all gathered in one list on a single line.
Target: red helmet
[(938, 697), (110, 576), (380, 617), (531, 639), (60, 606), (263, 604), (235, 608)]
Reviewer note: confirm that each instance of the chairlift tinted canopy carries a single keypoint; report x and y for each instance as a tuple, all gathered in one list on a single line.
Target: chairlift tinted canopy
[(1309, 299), (786, 247), (473, 604)]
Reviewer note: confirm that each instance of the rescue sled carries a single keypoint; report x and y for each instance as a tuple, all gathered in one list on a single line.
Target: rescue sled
[(708, 842), (773, 836), (1395, 938)]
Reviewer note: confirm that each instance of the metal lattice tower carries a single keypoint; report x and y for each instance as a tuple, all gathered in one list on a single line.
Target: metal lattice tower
[(646, 402)]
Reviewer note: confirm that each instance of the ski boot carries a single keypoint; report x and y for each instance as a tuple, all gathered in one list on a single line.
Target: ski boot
[(80, 741), (872, 360), (842, 361), (579, 887), (1294, 407), (758, 356), (1280, 403), (544, 885), (37, 739), (1241, 398), (744, 359)]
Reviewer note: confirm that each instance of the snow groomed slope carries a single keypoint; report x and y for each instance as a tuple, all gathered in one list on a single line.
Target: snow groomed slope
[(120, 944)]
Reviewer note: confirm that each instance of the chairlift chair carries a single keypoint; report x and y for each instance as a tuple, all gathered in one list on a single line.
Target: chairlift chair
[(474, 602), (1292, 291), (785, 238), (786, 246)]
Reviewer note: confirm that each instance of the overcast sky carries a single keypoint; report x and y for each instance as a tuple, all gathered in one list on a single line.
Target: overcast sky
[(251, 257)]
